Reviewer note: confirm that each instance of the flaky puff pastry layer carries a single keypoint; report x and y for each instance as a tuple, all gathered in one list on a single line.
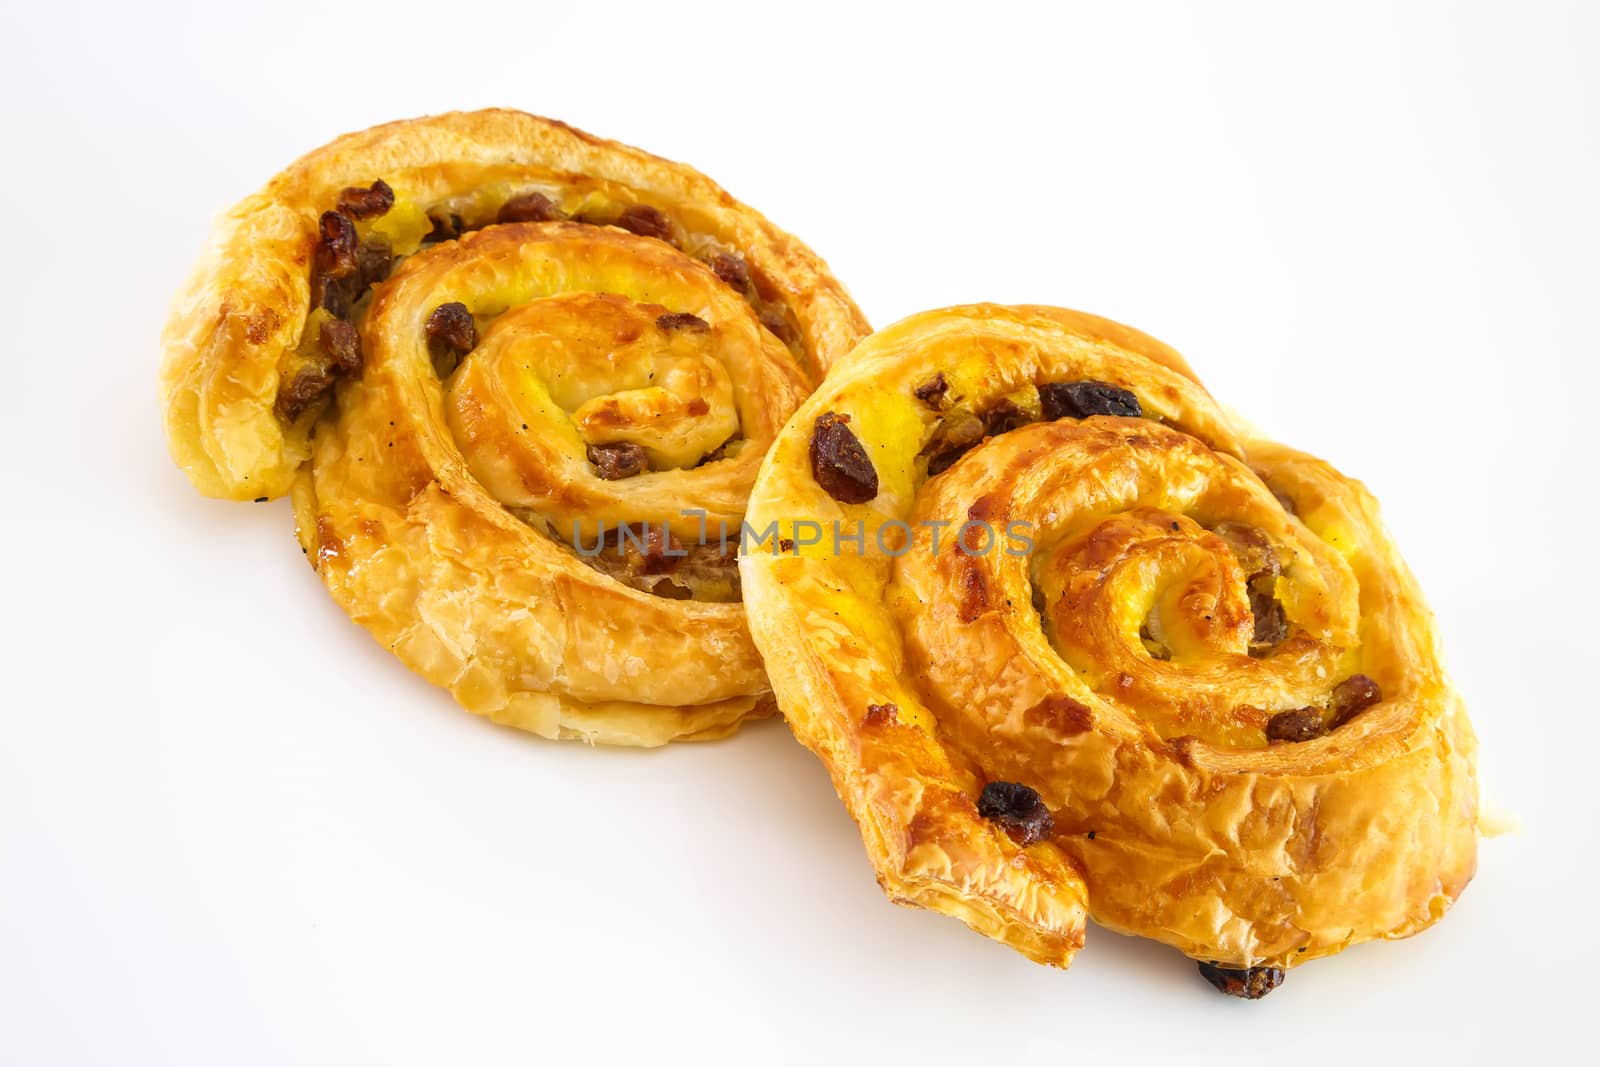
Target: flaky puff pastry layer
[(242, 313), (1067, 607), (440, 489)]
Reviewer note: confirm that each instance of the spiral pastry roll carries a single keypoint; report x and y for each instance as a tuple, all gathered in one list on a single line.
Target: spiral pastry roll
[(511, 373), (1064, 639)]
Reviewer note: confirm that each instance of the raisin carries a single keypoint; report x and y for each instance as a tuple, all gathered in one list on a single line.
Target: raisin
[(662, 551), (617, 461), (446, 226), (337, 292), (369, 203), (646, 221), (731, 269), (956, 433), (450, 330), (1251, 983), (337, 246), (1079, 400), (328, 294), (1003, 418), (1252, 548), (1272, 626), (1301, 724), (342, 345), (682, 320), (649, 550), (529, 207), (1258, 558), (376, 258), (839, 463), (932, 391), (303, 390), (1018, 810), (775, 317), (1355, 694)]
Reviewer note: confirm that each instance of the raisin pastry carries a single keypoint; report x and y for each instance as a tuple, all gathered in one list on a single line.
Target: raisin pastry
[(509, 371), (1064, 639)]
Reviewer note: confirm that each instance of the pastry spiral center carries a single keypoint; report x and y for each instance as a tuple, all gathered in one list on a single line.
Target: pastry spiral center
[(606, 389), (1160, 579), (598, 369), (1153, 563)]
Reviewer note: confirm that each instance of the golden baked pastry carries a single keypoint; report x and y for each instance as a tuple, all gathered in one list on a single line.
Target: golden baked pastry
[(509, 370), (1046, 616)]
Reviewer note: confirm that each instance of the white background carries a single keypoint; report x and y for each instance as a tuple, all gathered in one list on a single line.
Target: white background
[(234, 831)]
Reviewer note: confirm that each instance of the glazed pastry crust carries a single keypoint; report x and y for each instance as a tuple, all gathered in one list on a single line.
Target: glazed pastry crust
[(1174, 817), (247, 301), (442, 505)]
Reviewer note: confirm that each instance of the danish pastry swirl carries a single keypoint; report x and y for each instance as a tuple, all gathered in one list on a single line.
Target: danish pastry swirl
[(1108, 637), (511, 371)]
